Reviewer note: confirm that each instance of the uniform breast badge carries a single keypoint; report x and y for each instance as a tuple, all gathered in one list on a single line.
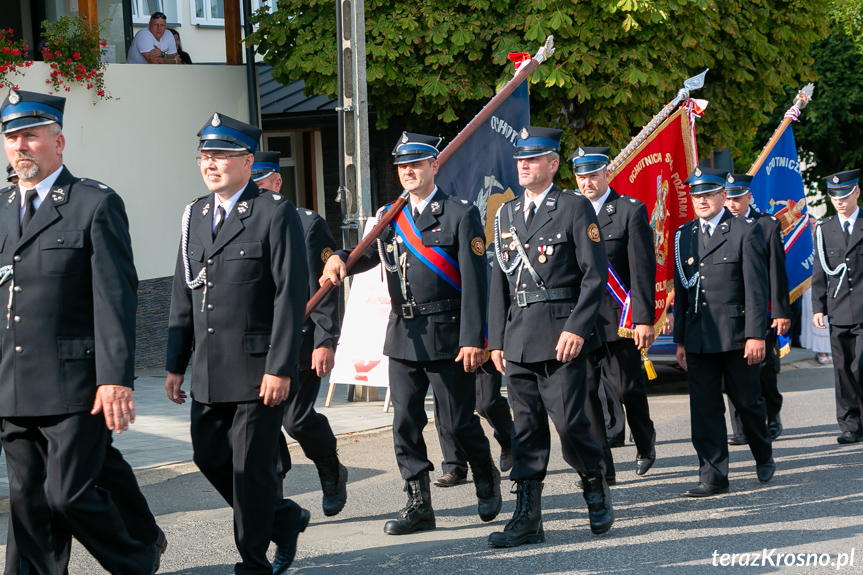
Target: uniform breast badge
[(477, 246), (593, 233)]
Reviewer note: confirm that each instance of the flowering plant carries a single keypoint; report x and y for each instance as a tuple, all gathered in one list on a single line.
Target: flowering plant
[(72, 48), (13, 57)]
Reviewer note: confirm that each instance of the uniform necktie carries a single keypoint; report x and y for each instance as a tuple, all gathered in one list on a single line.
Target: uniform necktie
[(846, 227), (220, 211), (416, 214), (531, 211), (29, 208), (705, 234)]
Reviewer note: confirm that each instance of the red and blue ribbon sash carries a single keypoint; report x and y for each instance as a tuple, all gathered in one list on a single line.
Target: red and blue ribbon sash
[(436, 259), (621, 295)]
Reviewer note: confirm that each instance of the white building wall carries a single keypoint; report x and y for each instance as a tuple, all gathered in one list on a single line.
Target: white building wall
[(143, 143)]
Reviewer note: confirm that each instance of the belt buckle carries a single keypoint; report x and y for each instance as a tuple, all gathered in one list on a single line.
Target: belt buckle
[(521, 298), (407, 311)]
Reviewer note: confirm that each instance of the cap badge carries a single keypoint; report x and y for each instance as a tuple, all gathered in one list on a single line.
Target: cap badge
[(835, 179), (524, 134), (405, 138), (698, 172), (730, 179), (14, 98), (216, 122), (580, 153)]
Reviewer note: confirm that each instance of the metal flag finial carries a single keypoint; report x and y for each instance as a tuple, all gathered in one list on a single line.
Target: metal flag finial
[(695, 82), (804, 96), (546, 51)]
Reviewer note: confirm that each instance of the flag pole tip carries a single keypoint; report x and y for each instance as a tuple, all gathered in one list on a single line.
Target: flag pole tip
[(695, 82), (546, 51)]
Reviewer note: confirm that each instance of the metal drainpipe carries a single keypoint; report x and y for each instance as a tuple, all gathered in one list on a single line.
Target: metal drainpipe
[(341, 197), (251, 72)]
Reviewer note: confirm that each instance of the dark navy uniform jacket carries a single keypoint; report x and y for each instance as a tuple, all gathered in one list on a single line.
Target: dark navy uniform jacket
[(567, 223), (72, 323), (780, 304), (732, 302), (453, 225), (845, 308), (625, 227), (323, 324), (251, 321)]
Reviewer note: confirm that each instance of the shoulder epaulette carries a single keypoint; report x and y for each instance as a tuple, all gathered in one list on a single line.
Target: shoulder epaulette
[(95, 184), (272, 196)]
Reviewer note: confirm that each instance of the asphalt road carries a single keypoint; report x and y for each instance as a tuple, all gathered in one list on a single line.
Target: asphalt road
[(813, 506)]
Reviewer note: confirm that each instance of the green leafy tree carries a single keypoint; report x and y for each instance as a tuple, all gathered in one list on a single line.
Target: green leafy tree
[(617, 62)]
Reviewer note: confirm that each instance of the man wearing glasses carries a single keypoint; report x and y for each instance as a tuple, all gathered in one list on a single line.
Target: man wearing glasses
[(241, 252), (152, 46), (720, 310)]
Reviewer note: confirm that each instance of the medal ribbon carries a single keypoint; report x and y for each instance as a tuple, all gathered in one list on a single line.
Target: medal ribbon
[(434, 258), (621, 295)]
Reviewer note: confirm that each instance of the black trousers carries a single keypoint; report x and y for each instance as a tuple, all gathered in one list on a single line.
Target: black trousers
[(311, 429), (235, 447), (491, 406), (768, 376), (553, 389), (119, 480), (455, 400), (595, 413), (847, 344), (54, 465), (612, 405), (707, 411)]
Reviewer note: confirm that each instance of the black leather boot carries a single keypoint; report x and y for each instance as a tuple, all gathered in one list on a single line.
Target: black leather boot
[(486, 479), (418, 514), (526, 523), (598, 498), (334, 483)]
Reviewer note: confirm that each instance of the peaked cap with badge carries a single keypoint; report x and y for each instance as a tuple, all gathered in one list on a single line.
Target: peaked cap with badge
[(22, 109), (265, 163), (416, 147), (842, 184), (737, 185), (705, 180), (533, 142), (223, 133), (586, 160)]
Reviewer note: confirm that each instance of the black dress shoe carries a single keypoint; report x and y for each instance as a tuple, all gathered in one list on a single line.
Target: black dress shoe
[(505, 459), (765, 471), (704, 490), (848, 437), (643, 463), (449, 480), (737, 439), (157, 549), (286, 547), (774, 427)]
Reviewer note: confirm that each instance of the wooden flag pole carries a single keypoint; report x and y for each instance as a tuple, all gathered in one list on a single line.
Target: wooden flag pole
[(520, 76), (803, 98)]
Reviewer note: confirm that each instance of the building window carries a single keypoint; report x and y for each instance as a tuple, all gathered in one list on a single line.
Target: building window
[(212, 12), (141, 10), (284, 144)]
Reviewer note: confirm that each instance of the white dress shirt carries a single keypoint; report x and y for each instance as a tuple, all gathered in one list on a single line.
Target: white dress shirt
[(422, 205), (537, 201), (42, 189), (227, 205), (852, 219), (712, 222), (597, 205)]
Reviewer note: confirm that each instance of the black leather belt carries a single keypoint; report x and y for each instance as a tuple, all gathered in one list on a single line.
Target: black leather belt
[(525, 298), (410, 311)]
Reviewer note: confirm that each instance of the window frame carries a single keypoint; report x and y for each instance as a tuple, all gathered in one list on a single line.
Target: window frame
[(144, 19), (209, 22)]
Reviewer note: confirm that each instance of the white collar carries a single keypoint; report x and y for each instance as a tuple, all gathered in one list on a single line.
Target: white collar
[(597, 205), (536, 201), (419, 207), (228, 204), (42, 188), (714, 221)]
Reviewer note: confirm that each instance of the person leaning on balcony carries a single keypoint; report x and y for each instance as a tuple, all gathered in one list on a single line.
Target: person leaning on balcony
[(152, 45)]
